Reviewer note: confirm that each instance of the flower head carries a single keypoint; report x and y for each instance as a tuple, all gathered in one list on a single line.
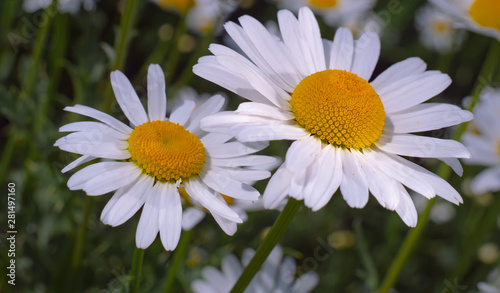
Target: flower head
[(436, 29), (484, 143), (348, 133), (150, 161), (276, 275), (480, 16), (334, 12)]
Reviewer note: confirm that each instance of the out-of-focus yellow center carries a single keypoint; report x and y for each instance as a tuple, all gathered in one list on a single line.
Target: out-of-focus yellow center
[(486, 13), (323, 3), (166, 150), (442, 27), (181, 6), (340, 108)]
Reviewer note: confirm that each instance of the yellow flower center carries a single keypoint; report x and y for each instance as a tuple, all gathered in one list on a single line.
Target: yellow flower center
[(181, 6), (340, 108), (442, 26), (323, 3), (486, 13), (166, 151)]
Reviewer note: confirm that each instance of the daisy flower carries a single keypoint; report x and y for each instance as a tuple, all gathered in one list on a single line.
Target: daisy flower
[(436, 29), (148, 162), (205, 14), (493, 283), (63, 6), (484, 143), (347, 132), (276, 275), (479, 16), (334, 12)]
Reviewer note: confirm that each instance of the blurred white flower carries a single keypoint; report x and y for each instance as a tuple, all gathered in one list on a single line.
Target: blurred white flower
[(63, 6), (492, 285), (207, 15), (483, 140), (276, 275), (334, 12), (436, 30), (480, 16)]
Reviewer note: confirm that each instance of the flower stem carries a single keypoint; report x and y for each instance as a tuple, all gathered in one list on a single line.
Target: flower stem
[(38, 49), (272, 238), (177, 261), (135, 274), (121, 46), (488, 69)]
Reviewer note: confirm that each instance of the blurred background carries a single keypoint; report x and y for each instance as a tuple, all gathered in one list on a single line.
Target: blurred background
[(54, 55)]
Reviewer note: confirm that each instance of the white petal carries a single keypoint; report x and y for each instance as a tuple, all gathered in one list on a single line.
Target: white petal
[(272, 51), (103, 150), (128, 99), (251, 160), (129, 202), (259, 109), (214, 139), (221, 76), (148, 226), (222, 121), (383, 187), (353, 186), (80, 178), (215, 278), (223, 183), (302, 153), (298, 182), (397, 71), (182, 112), (206, 197), (406, 209), (81, 160), (91, 126), (231, 267), (293, 40), (157, 97), (191, 217), (488, 180), (235, 149), (483, 151), (277, 188), (202, 287), (421, 146), (424, 117), (333, 178), (94, 138), (310, 31), (170, 216), (245, 175), (413, 90), (101, 116), (211, 106), (366, 53), (342, 50), (305, 283), (454, 164), (229, 227), (112, 179), (266, 132)]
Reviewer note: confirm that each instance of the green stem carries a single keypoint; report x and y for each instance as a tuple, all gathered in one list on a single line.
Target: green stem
[(38, 49), (135, 274), (173, 54), (8, 150), (177, 260), (265, 248), (121, 46), (366, 259), (487, 71), (9, 9), (76, 257)]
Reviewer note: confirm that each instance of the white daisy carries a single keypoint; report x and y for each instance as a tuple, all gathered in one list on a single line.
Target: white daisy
[(485, 145), (334, 12), (205, 14), (347, 132), (480, 16), (147, 162), (63, 6), (276, 275), (493, 283), (436, 30)]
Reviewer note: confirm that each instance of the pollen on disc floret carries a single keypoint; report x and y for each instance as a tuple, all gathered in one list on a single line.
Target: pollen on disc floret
[(485, 13), (340, 108), (166, 150)]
